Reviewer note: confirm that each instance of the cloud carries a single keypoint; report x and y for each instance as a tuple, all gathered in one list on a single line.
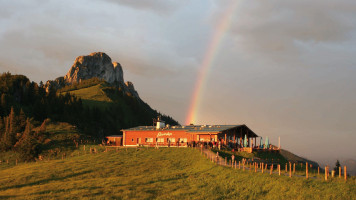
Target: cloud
[(42, 38), (159, 6), (283, 30)]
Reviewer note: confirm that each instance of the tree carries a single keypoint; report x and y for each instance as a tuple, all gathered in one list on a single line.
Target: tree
[(44, 125), (2, 127), (22, 120), (28, 145), (337, 165), (9, 138), (3, 103)]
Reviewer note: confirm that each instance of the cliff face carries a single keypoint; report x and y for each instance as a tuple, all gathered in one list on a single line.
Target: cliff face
[(94, 65), (98, 65)]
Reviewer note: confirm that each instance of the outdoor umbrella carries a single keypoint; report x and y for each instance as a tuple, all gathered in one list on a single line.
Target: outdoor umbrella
[(245, 141), (267, 143)]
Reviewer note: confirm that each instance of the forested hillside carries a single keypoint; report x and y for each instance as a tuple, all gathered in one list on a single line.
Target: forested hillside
[(25, 104)]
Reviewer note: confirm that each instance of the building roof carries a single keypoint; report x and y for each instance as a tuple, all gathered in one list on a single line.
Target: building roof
[(199, 129), (114, 136)]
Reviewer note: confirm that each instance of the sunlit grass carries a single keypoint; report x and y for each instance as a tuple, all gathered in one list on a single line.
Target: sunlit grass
[(166, 173)]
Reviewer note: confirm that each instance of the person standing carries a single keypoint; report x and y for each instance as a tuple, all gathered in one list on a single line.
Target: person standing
[(156, 147)]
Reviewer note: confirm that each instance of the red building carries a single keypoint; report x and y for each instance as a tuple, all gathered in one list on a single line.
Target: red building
[(162, 135)]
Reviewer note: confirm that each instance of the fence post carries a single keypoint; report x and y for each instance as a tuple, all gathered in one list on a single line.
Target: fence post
[(16, 161), (286, 167), (306, 171), (318, 171), (339, 172), (271, 169), (255, 167), (293, 168), (290, 169), (239, 165), (84, 147), (279, 170), (345, 173), (332, 173), (326, 173), (243, 166), (262, 167)]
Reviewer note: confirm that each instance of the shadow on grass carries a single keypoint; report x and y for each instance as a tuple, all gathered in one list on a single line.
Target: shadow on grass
[(63, 190), (7, 197), (46, 180)]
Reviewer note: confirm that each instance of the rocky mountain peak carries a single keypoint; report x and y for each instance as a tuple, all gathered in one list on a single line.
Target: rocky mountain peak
[(97, 64)]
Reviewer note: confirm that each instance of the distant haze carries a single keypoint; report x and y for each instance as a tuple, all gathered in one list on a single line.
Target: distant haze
[(283, 68)]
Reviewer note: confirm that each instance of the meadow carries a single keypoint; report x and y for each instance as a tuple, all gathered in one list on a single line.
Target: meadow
[(146, 173)]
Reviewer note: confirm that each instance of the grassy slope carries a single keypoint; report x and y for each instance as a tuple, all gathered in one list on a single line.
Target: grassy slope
[(167, 173), (93, 96), (96, 96), (57, 139)]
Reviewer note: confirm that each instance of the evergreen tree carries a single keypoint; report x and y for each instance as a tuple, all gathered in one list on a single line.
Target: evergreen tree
[(10, 132), (28, 146), (337, 165), (3, 104), (22, 119), (2, 127), (44, 126)]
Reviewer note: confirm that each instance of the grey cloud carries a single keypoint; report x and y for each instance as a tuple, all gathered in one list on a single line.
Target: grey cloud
[(160, 6), (275, 28), (45, 40)]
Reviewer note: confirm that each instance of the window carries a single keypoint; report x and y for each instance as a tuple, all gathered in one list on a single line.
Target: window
[(171, 140), (131, 140), (181, 140), (160, 140), (148, 139)]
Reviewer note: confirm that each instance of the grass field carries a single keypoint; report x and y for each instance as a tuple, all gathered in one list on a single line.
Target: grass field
[(167, 173)]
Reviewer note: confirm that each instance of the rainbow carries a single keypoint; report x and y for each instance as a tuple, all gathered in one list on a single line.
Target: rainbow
[(208, 60)]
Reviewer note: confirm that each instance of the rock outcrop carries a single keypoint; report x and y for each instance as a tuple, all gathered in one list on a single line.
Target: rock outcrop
[(57, 83), (98, 65), (94, 65)]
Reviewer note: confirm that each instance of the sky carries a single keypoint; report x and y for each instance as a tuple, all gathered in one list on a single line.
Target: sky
[(284, 68)]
